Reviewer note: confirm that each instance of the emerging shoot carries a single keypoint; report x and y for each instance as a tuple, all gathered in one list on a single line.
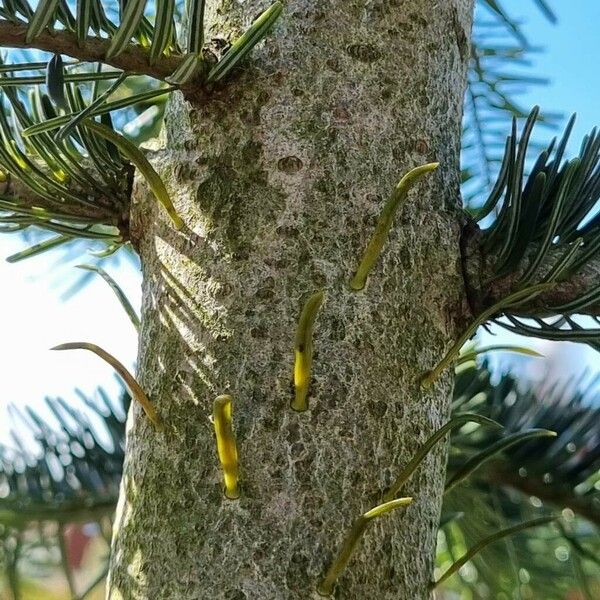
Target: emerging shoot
[(424, 450), (226, 446), (525, 295), (119, 293), (303, 350), (136, 156), (325, 588), (134, 388), (385, 223)]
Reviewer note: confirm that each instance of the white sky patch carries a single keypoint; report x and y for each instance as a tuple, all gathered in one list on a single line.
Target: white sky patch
[(35, 318)]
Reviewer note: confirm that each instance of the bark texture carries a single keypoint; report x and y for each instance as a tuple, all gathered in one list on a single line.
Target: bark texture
[(280, 175)]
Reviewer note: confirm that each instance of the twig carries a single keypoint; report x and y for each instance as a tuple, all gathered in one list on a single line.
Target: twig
[(134, 59)]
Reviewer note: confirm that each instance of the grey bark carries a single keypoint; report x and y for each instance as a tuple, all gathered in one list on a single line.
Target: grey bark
[(280, 175)]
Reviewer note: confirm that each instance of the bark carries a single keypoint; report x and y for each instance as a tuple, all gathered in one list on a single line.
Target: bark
[(280, 175)]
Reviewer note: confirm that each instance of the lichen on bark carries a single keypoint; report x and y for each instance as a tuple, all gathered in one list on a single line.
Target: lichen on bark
[(280, 174)]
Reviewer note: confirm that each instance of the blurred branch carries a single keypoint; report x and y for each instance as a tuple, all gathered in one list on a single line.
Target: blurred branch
[(562, 470), (74, 512), (537, 488)]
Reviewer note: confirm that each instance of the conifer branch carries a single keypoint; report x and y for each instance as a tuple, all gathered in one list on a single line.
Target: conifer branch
[(535, 487), (134, 59), (15, 189), (545, 232), (480, 269)]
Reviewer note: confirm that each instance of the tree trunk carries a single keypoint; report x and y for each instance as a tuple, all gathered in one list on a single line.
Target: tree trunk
[(280, 174)]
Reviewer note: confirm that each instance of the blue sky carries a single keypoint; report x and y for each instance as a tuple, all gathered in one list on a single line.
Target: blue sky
[(35, 318), (571, 58)]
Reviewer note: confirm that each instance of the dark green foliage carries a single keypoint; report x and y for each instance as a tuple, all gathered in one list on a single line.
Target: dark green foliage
[(195, 25), (243, 45), (538, 477), (76, 186), (153, 40), (73, 181), (546, 229), (543, 227), (130, 22), (55, 81)]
